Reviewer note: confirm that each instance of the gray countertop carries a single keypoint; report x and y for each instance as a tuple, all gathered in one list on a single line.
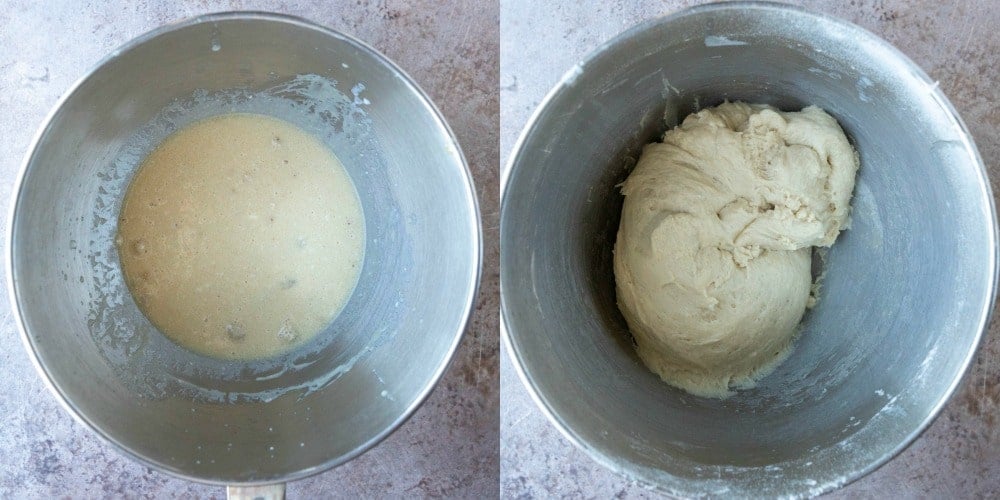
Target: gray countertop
[(957, 44), (449, 447)]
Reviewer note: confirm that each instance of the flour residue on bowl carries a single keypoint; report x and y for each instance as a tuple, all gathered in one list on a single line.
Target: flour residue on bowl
[(863, 85), (721, 41)]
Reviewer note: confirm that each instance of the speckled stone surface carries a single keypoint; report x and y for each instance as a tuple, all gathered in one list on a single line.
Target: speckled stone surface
[(957, 44), (450, 446)]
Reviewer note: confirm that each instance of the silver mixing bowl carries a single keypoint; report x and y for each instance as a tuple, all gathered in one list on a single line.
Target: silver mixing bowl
[(295, 414), (908, 290)]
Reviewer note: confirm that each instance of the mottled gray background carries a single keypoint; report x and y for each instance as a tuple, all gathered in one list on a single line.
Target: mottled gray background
[(956, 43), (449, 447)]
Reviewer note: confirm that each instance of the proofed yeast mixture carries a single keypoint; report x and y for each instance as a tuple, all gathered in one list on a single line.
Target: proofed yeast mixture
[(241, 236)]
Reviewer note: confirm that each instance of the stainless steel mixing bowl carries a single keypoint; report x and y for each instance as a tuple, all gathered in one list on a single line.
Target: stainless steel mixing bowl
[(908, 289), (276, 419)]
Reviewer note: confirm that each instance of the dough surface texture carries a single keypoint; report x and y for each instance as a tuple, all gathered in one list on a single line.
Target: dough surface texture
[(713, 256)]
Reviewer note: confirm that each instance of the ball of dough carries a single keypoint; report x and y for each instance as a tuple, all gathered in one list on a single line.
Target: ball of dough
[(713, 256)]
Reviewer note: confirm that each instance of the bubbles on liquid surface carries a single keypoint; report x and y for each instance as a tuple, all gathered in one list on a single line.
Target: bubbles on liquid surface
[(138, 247), (287, 332), (235, 331)]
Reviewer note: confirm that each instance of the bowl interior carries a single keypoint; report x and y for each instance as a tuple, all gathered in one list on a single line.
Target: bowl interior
[(293, 414), (907, 291)]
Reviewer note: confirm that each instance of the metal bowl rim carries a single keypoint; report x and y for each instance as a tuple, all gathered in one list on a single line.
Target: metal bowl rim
[(567, 80), (471, 199)]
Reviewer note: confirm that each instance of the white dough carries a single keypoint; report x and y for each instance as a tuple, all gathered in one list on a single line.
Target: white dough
[(713, 257)]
